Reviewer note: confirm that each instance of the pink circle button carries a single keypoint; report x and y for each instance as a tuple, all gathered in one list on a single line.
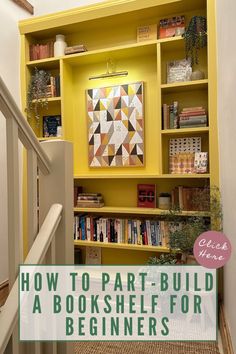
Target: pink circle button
[(212, 249)]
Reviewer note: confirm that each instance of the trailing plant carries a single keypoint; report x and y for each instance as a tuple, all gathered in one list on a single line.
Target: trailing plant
[(168, 258), (195, 38), (37, 93)]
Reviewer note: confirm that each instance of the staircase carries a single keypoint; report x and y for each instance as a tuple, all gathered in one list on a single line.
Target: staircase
[(46, 216)]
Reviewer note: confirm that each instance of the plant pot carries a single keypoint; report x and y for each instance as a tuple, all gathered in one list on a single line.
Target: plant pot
[(191, 260)]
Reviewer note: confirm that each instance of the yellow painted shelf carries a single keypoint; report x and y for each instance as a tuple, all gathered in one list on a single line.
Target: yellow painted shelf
[(47, 63), (184, 86), (91, 56), (185, 131), (124, 246), (119, 52), (137, 176), (136, 211)]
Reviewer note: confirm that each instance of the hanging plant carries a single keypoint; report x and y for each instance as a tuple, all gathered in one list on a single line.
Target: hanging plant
[(37, 93), (195, 38)]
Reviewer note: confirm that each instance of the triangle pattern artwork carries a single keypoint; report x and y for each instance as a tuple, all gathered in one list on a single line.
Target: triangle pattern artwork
[(121, 109)]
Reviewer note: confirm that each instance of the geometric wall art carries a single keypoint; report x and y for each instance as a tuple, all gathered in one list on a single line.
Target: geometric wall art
[(116, 126)]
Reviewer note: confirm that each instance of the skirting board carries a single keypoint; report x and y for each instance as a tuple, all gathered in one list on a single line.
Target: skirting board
[(224, 331)]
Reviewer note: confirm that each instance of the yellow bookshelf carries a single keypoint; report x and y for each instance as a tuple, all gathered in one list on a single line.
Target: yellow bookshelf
[(109, 32)]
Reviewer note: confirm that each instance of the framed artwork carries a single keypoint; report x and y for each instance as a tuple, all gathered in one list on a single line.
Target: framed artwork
[(116, 126)]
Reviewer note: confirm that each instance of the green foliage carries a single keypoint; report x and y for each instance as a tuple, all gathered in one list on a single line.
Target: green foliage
[(183, 236), (37, 93), (168, 258), (195, 37), (184, 233)]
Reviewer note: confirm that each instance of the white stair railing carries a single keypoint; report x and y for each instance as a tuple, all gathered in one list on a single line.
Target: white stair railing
[(49, 167)]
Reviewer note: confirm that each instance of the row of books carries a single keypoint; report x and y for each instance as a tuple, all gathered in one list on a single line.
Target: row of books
[(41, 51), (193, 117), (90, 200), (190, 198), (53, 88), (129, 231), (190, 117), (170, 116)]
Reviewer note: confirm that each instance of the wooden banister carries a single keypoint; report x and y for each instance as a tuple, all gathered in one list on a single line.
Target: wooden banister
[(26, 135), (9, 312)]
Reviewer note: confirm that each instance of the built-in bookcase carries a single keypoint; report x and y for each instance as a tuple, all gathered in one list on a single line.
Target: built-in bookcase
[(109, 32)]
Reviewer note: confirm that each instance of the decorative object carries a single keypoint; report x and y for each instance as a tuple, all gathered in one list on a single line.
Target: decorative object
[(146, 195), (111, 72), (37, 93), (51, 125), (182, 163), (184, 145), (197, 75), (147, 33), (195, 38), (115, 126), (201, 162), (164, 201), (60, 45), (170, 27), (178, 71)]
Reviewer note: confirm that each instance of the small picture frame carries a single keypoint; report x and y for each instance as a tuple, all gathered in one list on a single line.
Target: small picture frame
[(50, 125)]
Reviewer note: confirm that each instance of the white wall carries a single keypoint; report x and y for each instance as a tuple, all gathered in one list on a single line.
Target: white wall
[(44, 6), (10, 13), (226, 11)]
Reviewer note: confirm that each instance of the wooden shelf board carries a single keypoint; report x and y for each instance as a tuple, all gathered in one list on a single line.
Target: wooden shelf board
[(140, 176), (190, 175), (47, 63), (172, 43), (135, 211), (185, 131), (121, 246), (185, 86), (50, 138), (50, 99), (119, 52)]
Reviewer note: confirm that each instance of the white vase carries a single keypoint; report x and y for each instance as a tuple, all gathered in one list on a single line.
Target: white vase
[(59, 45)]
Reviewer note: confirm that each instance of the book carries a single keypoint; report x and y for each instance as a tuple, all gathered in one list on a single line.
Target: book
[(79, 48), (50, 124), (146, 195), (170, 27), (147, 33)]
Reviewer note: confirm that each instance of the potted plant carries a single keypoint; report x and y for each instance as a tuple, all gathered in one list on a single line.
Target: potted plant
[(183, 234), (37, 93), (195, 37), (164, 258)]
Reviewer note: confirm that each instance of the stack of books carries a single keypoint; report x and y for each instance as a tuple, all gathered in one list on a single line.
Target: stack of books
[(193, 117), (79, 48), (128, 231), (90, 200), (41, 51)]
